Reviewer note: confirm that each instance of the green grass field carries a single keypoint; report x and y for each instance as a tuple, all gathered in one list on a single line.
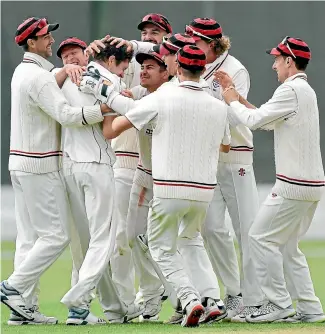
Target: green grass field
[(55, 282)]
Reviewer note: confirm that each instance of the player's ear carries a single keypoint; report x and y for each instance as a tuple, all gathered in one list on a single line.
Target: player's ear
[(111, 60), (31, 43)]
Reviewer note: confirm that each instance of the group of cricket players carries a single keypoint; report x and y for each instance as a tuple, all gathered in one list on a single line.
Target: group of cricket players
[(132, 159)]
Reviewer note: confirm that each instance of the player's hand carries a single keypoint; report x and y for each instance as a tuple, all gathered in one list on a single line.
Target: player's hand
[(127, 93), (74, 72), (94, 47), (224, 79), (230, 95), (93, 83), (120, 42)]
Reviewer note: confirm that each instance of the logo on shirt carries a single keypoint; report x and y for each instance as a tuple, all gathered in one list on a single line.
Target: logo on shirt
[(149, 132), (215, 84), (241, 172), (274, 195)]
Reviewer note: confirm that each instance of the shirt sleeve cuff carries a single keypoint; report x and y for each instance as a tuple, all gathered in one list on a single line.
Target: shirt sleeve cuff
[(91, 115), (235, 104), (137, 125)]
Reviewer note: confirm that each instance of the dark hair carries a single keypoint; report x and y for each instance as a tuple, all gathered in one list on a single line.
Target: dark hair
[(301, 63), (120, 53), (25, 46)]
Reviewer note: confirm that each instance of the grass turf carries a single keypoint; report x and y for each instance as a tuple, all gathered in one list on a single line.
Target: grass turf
[(55, 282)]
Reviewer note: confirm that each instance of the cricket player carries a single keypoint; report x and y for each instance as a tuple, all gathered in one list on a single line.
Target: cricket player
[(42, 208), (236, 189), (88, 161), (153, 74), (285, 216), (153, 28), (182, 193)]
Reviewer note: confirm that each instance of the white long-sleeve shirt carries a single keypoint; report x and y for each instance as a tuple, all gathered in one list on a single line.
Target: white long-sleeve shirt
[(188, 128), (38, 107), (87, 144), (292, 113), (241, 150)]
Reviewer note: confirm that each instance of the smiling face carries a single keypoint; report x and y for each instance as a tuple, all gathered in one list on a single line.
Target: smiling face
[(151, 33), (73, 54), (152, 75), (42, 45)]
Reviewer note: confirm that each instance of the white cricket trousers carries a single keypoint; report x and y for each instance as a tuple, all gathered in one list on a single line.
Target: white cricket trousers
[(91, 194), (150, 285), (237, 192), (281, 267), (122, 263), (182, 270), (42, 217)]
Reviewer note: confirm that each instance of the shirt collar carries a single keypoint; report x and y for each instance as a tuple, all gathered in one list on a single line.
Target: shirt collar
[(219, 60), (33, 58), (191, 84), (298, 75)]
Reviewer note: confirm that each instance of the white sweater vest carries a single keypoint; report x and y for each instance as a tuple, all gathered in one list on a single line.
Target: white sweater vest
[(299, 167), (189, 126), (241, 151)]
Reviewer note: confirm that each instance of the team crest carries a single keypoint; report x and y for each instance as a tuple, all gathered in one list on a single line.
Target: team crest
[(215, 84)]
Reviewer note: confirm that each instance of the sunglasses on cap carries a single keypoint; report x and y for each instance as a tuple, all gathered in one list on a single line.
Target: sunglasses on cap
[(191, 32), (286, 43), (158, 19), (171, 48)]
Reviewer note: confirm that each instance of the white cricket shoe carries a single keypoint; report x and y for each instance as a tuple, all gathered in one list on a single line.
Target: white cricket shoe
[(193, 311), (246, 311), (270, 313), (214, 310), (79, 316), (234, 305), (14, 300), (16, 319), (134, 311), (300, 317), (152, 309)]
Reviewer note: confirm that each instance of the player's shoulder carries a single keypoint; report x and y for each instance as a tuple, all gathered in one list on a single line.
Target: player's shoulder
[(232, 66), (139, 92), (167, 86)]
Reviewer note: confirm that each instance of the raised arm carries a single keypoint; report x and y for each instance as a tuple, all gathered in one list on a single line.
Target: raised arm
[(283, 104)]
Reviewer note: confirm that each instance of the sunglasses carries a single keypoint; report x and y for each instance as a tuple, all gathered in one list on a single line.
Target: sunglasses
[(191, 32), (286, 43), (169, 46)]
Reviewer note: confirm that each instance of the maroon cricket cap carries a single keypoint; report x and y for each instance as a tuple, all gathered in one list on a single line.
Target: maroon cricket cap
[(205, 28), (71, 41), (292, 47), (33, 27), (191, 58), (158, 20), (170, 45), (142, 56)]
